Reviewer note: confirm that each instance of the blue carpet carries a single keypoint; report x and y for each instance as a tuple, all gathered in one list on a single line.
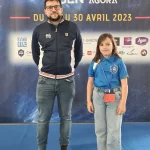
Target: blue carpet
[(135, 136)]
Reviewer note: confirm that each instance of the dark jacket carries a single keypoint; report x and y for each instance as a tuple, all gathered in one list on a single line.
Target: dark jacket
[(62, 46)]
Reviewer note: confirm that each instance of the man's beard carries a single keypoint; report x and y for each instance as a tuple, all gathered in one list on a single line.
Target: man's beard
[(54, 19)]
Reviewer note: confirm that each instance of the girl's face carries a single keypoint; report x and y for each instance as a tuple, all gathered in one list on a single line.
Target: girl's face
[(106, 47)]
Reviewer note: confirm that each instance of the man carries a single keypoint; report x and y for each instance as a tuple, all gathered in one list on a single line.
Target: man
[(61, 44)]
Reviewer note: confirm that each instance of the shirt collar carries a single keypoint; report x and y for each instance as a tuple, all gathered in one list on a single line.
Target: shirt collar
[(111, 59)]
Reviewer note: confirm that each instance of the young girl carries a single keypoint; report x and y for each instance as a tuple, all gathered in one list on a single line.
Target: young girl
[(107, 86)]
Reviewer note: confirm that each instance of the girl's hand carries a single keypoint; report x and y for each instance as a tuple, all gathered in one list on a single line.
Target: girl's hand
[(90, 107), (121, 109)]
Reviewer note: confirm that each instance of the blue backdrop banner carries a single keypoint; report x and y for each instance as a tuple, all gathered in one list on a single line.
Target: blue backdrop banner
[(127, 20)]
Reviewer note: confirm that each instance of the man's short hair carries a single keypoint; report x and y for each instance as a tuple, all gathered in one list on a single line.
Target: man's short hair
[(52, 0)]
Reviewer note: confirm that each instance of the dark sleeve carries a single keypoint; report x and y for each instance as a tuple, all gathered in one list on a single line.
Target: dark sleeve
[(78, 48), (35, 47)]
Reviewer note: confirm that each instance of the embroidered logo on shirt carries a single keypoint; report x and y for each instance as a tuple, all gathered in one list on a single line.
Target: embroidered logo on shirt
[(113, 69), (66, 34), (48, 36)]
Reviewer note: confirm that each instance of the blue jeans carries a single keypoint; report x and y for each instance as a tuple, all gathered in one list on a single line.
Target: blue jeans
[(107, 121), (47, 90)]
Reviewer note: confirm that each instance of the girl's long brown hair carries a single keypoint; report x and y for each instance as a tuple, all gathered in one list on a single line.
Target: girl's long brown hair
[(102, 37)]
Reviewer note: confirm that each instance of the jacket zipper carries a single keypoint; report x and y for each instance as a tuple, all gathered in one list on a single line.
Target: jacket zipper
[(56, 52)]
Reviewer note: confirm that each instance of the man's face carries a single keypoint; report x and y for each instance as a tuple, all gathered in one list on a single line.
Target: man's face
[(53, 10)]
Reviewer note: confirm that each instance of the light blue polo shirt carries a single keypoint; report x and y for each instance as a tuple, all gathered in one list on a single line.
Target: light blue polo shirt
[(108, 73)]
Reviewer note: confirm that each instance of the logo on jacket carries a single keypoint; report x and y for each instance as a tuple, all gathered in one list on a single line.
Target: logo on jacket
[(113, 69), (141, 40), (48, 36), (66, 34)]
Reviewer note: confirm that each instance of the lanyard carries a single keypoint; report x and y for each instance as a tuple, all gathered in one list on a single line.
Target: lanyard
[(108, 82)]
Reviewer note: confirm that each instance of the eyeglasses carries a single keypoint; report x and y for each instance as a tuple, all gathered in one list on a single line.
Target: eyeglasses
[(50, 8)]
